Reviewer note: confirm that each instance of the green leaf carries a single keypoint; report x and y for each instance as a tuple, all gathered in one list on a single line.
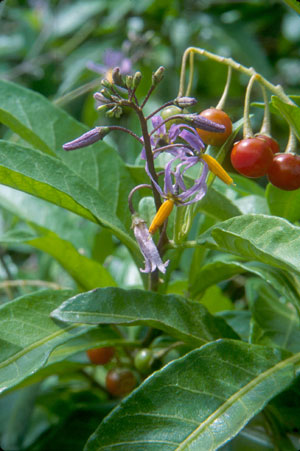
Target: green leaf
[(218, 387), (225, 266), (267, 239), (291, 113), (28, 335), (47, 128), (217, 205), (183, 319), (86, 272), (50, 179), (285, 204), (274, 323)]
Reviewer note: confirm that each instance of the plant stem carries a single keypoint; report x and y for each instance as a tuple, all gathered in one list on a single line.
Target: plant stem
[(126, 130), (292, 143), (277, 90), (28, 283), (266, 123), (221, 103), (247, 130), (159, 109), (191, 75)]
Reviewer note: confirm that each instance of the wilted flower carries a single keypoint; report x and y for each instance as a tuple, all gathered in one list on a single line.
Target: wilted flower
[(111, 59), (147, 247)]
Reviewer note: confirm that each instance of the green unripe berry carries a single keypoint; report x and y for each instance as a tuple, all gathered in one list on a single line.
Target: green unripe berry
[(143, 360)]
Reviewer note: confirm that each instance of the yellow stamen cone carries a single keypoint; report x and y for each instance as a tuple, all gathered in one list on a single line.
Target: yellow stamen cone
[(217, 169), (163, 213)]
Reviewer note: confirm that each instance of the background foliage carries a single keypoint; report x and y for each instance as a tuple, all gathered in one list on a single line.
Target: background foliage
[(243, 272)]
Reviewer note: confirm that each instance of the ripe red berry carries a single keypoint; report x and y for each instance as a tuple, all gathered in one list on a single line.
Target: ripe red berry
[(101, 356), (284, 171), (251, 157), (274, 146), (218, 116), (120, 381)]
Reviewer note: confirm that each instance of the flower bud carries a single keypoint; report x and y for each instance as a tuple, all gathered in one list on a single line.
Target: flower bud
[(117, 78), (185, 102), (136, 79), (105, 83), (100, 98), (205, 124), (88, 138), (129, 81), (158, 76)]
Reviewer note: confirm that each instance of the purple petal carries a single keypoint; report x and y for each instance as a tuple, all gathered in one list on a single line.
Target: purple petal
[(98, 68), (199, 185), (112, 58), (168, 186), (193, 139), (156, 122), (153, 181), (125, 66)]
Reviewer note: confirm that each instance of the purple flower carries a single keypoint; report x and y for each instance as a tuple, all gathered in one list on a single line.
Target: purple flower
[(111, 59), (172, 190), (147, 247)]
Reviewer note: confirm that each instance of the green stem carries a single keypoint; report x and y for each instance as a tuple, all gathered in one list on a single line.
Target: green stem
[(191, 75), (266, 124), (277, 90), (247, 131), (221, 103), (292, 143)]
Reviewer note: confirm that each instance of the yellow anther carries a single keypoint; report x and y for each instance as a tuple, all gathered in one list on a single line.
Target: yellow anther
[(217, 169), (162, 214)]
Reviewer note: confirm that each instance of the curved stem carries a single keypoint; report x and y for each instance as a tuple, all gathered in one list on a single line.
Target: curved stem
[(247, 132), (266, 123), (277, 90), (292, 143), (159, 109), (191, 75), (28, 283), (126, 130), (221, 103), (136, 188)]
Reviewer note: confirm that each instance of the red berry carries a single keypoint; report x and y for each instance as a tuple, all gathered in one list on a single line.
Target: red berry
[(120, 381), (101, 356), (274, 146), (251, 157), (284, 171), (214, 138)]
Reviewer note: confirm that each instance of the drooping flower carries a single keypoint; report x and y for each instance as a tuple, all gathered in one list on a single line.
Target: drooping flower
[(111, 58), (147, 247)]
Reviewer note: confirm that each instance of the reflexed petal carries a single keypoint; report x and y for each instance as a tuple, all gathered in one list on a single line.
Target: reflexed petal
[(156, 122), (193, 139), (199, 185), (153, 181), (168, 186)]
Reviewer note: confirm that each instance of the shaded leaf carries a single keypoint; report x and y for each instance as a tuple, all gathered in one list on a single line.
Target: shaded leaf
[(28, 334), (273, 322)]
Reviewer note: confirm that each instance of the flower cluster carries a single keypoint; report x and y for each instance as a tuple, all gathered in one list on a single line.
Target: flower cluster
[(181, 142)]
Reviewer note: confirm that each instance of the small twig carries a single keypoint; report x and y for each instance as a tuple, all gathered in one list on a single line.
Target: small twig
[(148, 95), (126, 130), (136, 188), (159, 109), (34, 283)]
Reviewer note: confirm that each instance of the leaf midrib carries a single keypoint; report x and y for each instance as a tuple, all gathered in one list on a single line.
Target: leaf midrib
[(36, 344), (230, 401)]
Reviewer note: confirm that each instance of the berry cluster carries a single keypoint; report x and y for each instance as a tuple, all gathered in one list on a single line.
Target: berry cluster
[(259, 156)]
